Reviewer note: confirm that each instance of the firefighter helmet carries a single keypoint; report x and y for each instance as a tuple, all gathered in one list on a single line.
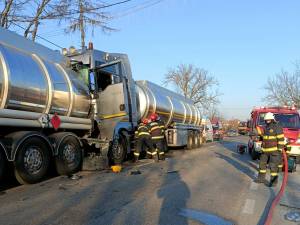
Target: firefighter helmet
[(269, 116), (154, 117)]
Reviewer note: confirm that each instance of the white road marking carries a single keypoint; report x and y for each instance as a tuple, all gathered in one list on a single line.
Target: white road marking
[(253, 186), (249, 206)]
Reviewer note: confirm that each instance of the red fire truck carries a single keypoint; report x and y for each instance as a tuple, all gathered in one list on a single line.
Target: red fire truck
[(287, 117)]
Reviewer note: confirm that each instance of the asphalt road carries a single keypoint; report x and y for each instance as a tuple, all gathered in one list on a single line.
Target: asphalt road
[(210, 185)]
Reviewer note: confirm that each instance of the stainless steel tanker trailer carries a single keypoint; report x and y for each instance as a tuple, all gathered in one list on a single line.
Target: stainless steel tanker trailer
[(64, 108)]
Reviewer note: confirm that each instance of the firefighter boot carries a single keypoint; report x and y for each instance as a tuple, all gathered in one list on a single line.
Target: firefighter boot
[(260, 178), (136, 157), (161, 155), (273, 181)]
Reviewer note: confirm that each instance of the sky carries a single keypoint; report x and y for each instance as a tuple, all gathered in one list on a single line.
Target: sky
[(241, 43)]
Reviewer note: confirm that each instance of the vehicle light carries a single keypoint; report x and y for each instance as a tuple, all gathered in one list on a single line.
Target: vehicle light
[(298, 141)]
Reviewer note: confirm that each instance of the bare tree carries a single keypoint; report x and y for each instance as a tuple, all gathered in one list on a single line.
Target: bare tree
[(194, 83), (284, 88), (9, 10), (83, 14)]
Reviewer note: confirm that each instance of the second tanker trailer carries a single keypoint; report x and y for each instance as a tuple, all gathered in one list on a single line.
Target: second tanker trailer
[(64, 107)]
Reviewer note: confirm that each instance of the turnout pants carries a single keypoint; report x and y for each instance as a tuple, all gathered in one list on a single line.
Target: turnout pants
[(143, 143), (274, 159), (159, 148)]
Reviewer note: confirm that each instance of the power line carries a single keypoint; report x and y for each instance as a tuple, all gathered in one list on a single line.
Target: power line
[(75, 11), (44, 39)]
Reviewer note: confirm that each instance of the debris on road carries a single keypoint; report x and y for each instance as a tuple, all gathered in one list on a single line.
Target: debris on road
[(135, 172), (173, 171), (241, 149), (293, 216), (74, 177)]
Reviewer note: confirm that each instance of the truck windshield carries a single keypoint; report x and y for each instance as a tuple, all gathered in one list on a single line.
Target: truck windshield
[(285, 120)]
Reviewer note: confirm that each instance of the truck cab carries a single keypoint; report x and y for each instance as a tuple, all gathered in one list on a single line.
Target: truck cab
[(112, 88), (287, 117)]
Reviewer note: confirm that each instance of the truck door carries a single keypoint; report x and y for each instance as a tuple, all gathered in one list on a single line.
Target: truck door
[(111, 101)]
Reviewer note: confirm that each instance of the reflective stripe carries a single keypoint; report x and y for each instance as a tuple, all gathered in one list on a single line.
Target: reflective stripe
[(259, 130), (136, 154), (150, 153), (161, 153), (154, 153), (262, 171), (265, 137), (269, 149), (274, 174), (280, 166), (154, 128), (162, 126), (143, 133), (280, 136), (281, 142), (158, 137)]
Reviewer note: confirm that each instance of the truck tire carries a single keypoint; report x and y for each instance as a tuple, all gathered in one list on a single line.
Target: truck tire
[(190, 141), (69, 158), (32, 161), (2, 164), (118, 150)]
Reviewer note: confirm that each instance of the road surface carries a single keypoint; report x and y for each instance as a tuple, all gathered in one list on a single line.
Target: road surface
[(210, 185)]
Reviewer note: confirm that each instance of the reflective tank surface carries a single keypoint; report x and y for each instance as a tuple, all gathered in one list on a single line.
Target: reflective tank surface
[(34, 84), (171, 107)]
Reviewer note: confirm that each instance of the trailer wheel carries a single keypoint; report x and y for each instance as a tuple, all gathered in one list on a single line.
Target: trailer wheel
[(2, 164), (69, 158), (118, 150), (32, 161), (189, 141), (197, 140)]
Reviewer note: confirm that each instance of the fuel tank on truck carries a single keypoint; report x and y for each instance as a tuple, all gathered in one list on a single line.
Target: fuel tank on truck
[(170, 106), (32, 83)]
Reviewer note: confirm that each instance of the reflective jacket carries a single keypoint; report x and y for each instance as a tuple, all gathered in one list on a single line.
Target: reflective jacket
[(157, 129), (272, 138), (142, 130)]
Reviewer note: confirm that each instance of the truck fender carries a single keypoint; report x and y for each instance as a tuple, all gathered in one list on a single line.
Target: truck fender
[(57, 138), (14, 140), (4, 150)]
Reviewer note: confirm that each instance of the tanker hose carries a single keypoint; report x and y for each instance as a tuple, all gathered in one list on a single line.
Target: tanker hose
[(281, 192)]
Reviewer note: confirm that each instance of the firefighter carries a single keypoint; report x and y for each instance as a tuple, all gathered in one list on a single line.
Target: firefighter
[(272, 145), (157, 131), (143, 138)]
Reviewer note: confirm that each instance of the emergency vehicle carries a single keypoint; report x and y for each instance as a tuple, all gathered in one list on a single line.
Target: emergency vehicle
[(287, 117)]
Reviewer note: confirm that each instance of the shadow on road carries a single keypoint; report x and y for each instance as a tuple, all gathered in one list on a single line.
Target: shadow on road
[(175, 194), (241, 162)]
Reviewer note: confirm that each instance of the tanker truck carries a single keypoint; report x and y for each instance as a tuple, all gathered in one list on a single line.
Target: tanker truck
[(64, 107)]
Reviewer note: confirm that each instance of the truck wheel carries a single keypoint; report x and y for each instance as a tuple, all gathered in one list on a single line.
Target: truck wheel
[(118, 150), (69, 158), (189, 141), (2, 164), (32, 161)]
